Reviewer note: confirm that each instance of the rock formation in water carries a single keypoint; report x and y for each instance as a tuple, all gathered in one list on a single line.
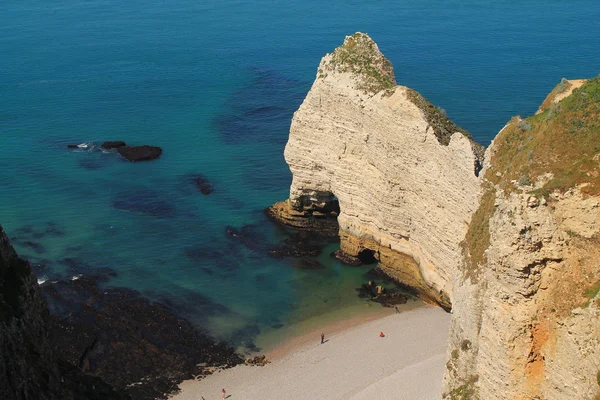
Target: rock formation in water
[(405, 177), (139, 153), (28, 367), (513, 248)]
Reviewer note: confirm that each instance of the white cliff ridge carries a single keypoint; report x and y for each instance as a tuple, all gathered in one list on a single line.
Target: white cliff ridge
[(402, 194)]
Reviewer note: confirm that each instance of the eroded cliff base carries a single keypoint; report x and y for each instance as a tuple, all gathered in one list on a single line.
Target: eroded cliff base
[(403, 176), (396, 265), (320, 218)]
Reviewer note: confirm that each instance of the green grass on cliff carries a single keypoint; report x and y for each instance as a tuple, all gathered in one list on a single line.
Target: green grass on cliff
[(359, 55), (466, 391), (592, 291), (563, 140), (443, 127)]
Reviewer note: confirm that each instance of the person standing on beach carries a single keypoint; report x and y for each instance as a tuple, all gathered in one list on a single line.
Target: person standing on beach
[(397, 311), (322, 338), (223, 393)]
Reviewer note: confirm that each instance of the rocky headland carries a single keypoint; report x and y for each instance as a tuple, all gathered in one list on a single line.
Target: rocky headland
[(94, 335), (509, 240), (30, 368)]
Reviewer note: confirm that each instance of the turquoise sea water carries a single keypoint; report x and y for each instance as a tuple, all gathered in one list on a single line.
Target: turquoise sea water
[(215, 85)]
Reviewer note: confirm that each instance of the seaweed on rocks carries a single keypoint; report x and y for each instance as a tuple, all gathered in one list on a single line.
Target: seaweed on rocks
[(130, 342), (299, 244), (307, 263), (144, 201), (202, 184), (29, 366), (384, 296), (249, 236)]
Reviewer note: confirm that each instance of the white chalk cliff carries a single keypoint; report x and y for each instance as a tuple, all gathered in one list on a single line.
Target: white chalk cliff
[(513, 249), (405, 191)]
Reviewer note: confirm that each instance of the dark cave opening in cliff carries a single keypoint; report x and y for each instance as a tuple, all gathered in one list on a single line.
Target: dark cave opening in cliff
[(367, 256)]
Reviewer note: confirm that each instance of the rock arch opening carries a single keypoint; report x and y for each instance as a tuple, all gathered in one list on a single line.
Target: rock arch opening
[(367, 257)]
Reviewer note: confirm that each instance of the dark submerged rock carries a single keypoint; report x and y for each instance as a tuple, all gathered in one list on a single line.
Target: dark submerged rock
[(307, 263), (145, 202), (139, 153), (248, 236), (112, 144), (72, 146), (300, 244), (203, 185), (37, 247)]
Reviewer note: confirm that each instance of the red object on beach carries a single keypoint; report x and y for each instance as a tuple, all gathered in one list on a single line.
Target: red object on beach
[(381, 334)]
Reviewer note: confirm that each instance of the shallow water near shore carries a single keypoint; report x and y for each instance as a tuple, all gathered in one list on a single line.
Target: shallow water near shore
[(215, 84)]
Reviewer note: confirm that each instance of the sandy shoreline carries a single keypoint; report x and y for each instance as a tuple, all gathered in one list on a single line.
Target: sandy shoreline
[(354, 364)]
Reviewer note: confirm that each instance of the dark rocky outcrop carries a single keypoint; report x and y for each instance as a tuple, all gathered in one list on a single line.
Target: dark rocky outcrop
[(307, 263), (29, 368), (346, 258), (118, 335), (299, 244), (112, 145), (385, 296), (318, 218), (258, 361), (248, 236), (139, 153), (203, 185), (129, 153), (92, 336)]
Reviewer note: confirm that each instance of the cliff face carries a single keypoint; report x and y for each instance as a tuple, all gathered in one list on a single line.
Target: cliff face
[(404, 175), (28, 368), (513, 248), (526, 308)]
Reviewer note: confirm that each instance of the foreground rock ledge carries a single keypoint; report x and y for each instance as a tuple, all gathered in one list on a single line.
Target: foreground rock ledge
[(404, 176)]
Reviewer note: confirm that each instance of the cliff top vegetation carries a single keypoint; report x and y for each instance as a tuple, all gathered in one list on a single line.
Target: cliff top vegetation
[(360, 55), (559, 146)]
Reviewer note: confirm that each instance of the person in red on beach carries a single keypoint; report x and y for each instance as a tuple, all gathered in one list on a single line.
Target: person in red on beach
[(223, 394), (381, 334)]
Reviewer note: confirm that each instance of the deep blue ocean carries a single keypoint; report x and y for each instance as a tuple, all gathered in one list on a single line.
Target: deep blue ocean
[(215, 84)]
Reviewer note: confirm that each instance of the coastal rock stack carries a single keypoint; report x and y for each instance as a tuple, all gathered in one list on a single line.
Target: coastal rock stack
[(404, 175), (513, 248)]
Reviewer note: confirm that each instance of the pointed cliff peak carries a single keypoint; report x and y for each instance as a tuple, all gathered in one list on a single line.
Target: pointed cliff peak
[(360, 56)]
